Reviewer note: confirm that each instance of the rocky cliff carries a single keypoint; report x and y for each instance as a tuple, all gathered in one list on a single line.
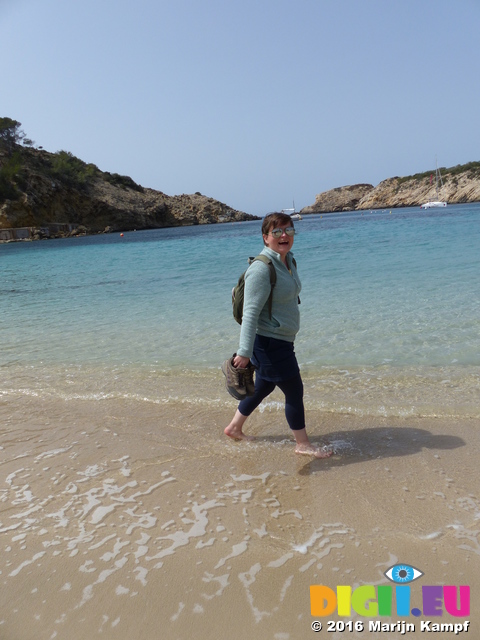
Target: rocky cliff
[(50, 188), (339, 199), (460, 184)]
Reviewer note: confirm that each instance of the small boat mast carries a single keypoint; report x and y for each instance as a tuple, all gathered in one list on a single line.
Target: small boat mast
[(435, 203), (292, 213)]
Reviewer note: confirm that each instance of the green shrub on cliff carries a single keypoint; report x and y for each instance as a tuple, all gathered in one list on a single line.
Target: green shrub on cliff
[(122, 181), (72, 171), (461, 168), (445, 173), (69, 169), (10, 160), (10, 134), (8, 190), (10, 177)]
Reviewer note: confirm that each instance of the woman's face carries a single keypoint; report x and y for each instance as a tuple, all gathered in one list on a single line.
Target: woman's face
[(281, 245)]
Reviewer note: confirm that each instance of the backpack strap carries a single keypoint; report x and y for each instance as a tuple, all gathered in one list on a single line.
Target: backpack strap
[(273, 277), (294, 262)]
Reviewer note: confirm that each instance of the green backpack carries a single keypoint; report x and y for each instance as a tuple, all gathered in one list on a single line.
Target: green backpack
[(238, 291)]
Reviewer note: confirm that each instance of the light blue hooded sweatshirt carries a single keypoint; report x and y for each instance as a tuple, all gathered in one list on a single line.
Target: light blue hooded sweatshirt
[(285, 321)]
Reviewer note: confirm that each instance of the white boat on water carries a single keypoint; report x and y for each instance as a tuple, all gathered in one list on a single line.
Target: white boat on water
[(292, 213), (432, 204), (435, 203)]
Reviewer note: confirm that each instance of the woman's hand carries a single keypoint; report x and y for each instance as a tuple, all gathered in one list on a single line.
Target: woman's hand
[(240, 362)]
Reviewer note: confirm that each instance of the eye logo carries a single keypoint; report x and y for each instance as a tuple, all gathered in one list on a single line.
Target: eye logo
[(403, 574)]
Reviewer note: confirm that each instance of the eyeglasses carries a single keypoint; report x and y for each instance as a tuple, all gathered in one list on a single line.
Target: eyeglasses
[(278, 233)]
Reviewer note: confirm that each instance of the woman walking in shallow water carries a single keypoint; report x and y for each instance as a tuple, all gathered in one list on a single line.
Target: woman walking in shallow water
[(266, 339)]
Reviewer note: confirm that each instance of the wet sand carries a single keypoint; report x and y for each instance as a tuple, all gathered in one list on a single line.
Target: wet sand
[(128, 519)]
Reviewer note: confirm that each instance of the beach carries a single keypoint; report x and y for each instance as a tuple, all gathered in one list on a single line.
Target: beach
[(125, 518)]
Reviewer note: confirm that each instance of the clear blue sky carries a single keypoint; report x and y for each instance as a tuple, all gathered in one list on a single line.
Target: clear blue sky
[(252, 102)]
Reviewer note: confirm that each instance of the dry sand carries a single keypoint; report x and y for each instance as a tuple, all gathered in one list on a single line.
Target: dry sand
[(124, 519)]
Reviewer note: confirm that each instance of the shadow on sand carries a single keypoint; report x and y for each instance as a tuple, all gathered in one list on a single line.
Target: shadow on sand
[(359, 445)]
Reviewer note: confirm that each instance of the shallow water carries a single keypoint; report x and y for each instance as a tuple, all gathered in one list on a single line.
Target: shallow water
[(389, 310)]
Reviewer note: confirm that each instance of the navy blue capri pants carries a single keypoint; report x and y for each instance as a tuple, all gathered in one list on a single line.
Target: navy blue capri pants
[(276, 366)]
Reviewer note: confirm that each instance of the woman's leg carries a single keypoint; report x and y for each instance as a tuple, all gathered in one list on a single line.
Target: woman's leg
[(234, 429), (295, 414), (263, 388), (294, 409)]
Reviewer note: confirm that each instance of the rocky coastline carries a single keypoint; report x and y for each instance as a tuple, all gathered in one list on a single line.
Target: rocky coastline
[(81, 200), (461, 184), (45, 195)]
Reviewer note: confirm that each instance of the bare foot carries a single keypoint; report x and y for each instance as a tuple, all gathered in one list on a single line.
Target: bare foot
[(236, 434), (311, 450)]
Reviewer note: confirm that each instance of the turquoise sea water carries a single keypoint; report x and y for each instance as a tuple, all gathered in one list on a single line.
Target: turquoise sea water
[(390, 311)]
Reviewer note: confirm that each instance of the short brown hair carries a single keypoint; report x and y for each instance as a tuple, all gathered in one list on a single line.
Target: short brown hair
[(273, 220)]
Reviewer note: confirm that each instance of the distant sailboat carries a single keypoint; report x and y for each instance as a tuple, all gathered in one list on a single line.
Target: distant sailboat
[(291, 212), (437, 202)]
